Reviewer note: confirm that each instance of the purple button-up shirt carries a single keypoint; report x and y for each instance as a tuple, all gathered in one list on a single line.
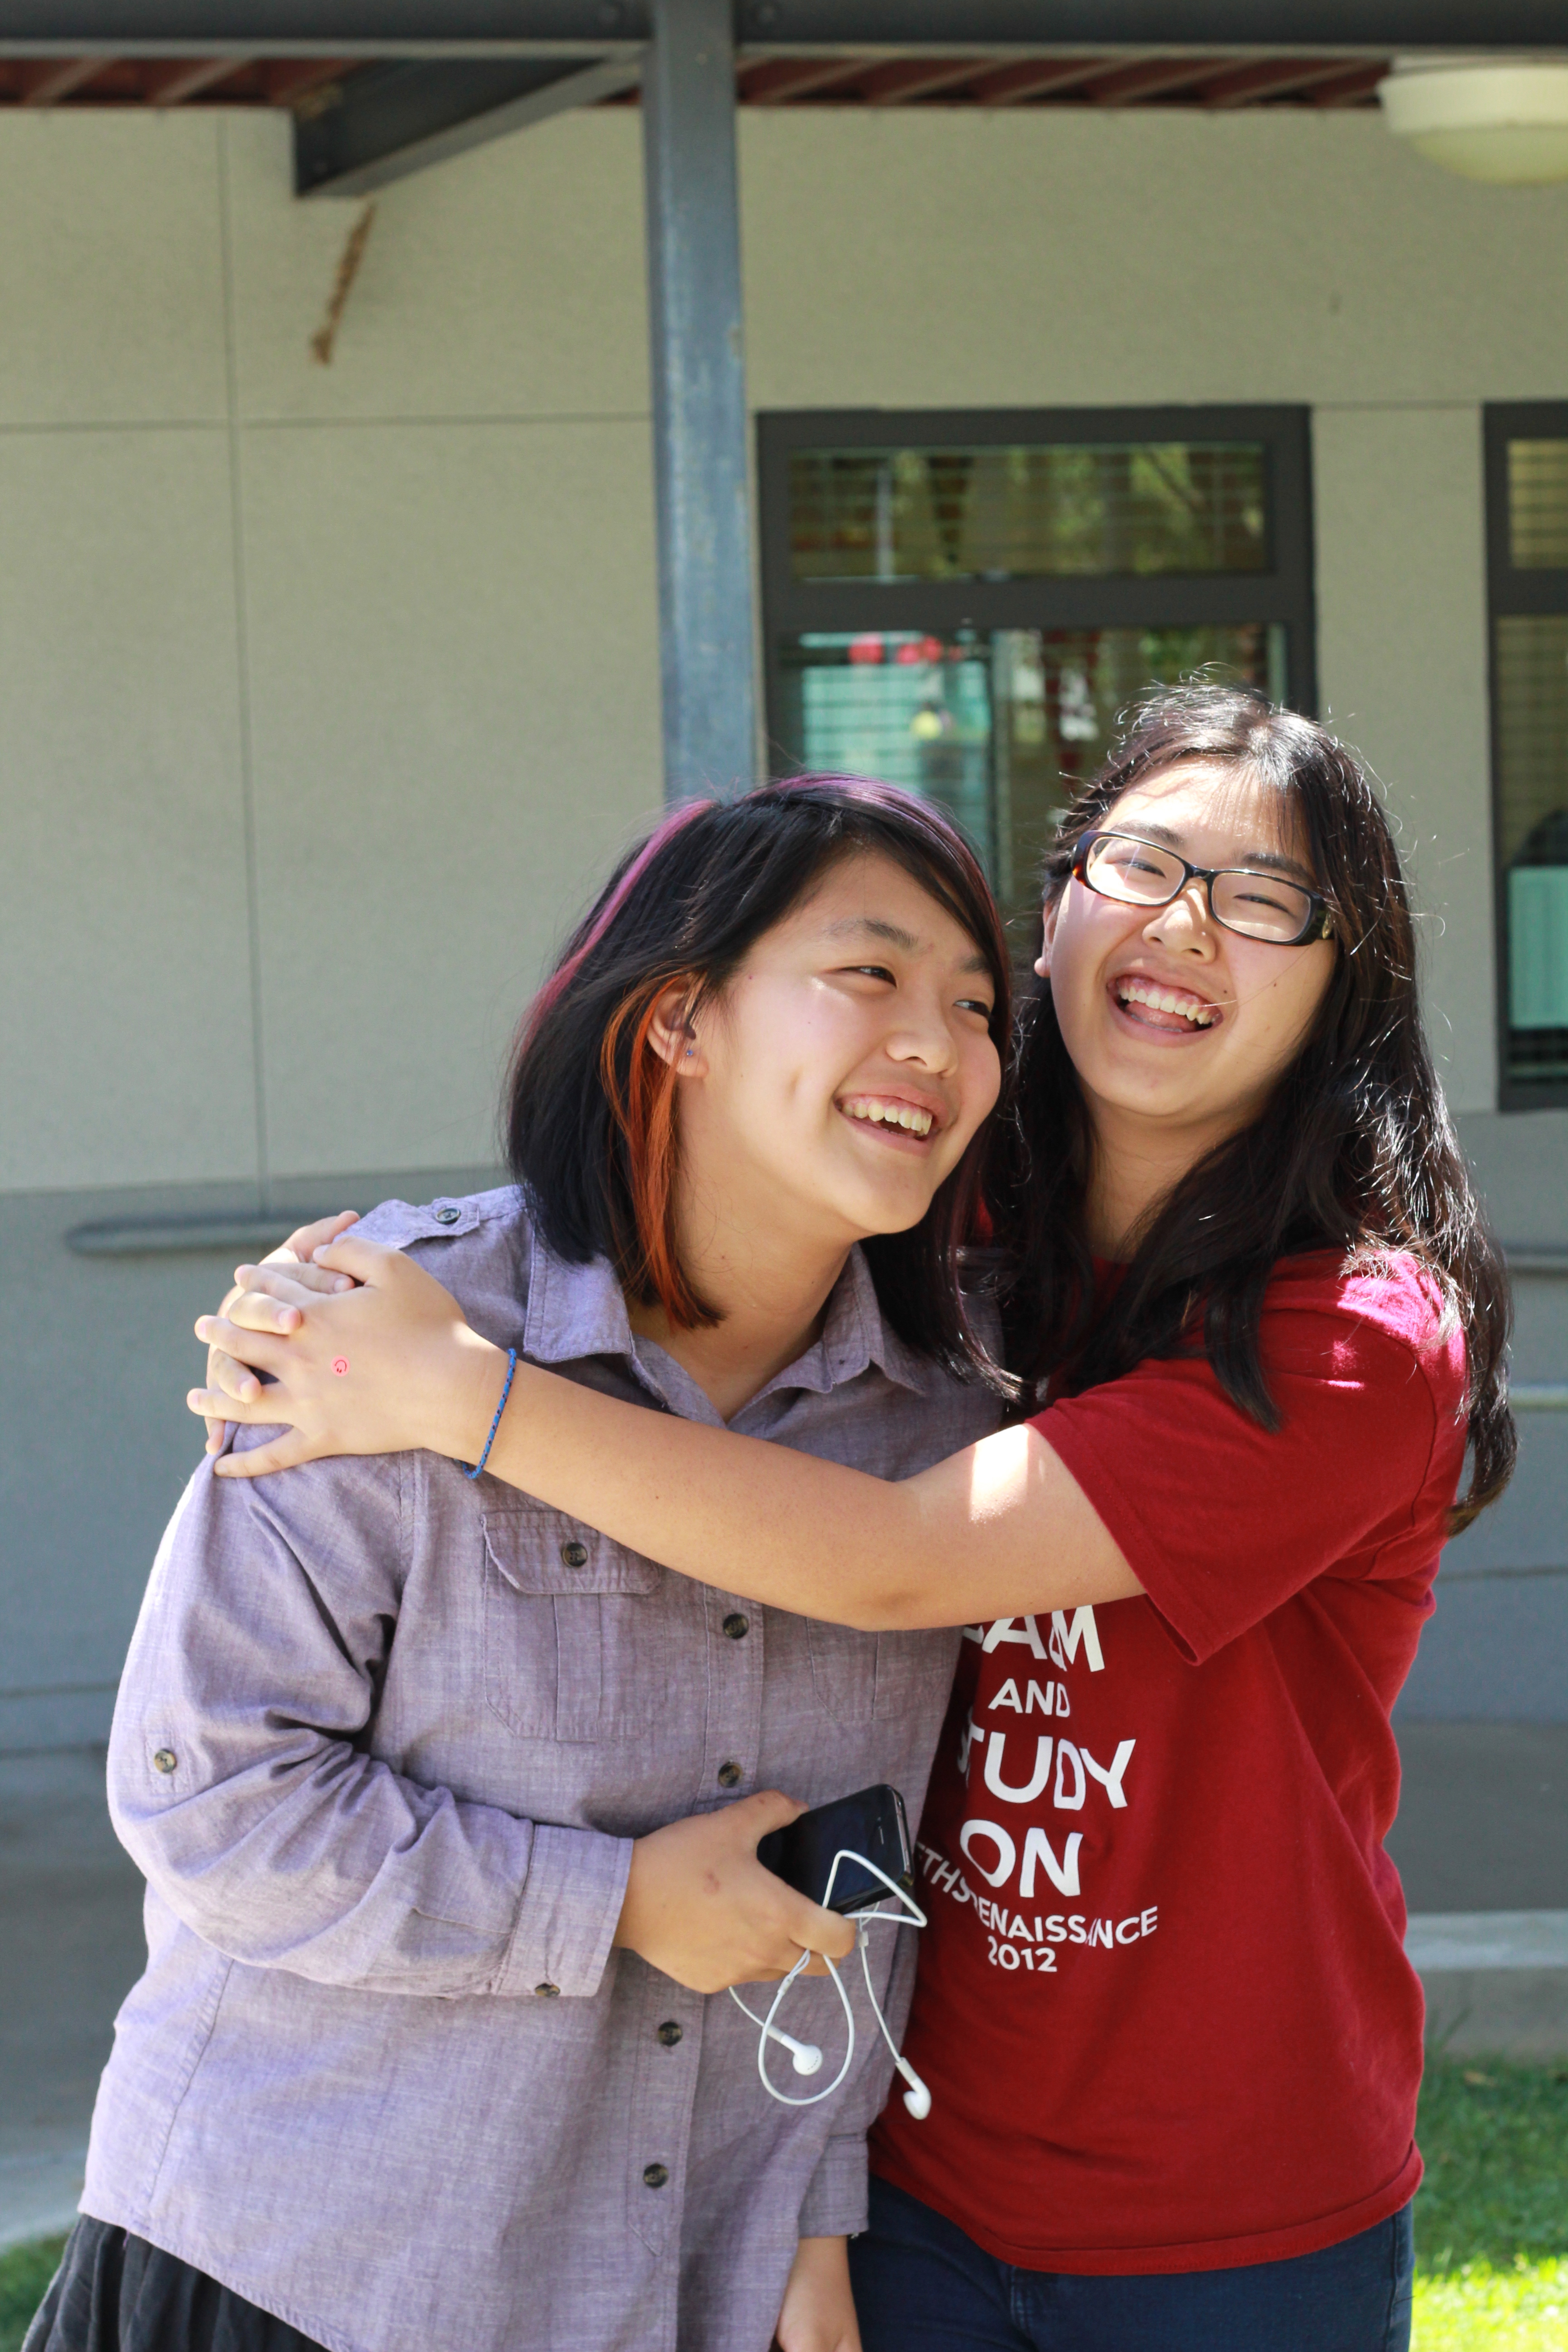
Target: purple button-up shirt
[(383, 1743)]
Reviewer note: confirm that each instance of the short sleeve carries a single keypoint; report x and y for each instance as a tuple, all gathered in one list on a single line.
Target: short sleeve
[(1222, 1520)]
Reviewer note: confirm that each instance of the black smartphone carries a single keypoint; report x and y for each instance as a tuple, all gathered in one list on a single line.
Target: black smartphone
[(871, 1822)]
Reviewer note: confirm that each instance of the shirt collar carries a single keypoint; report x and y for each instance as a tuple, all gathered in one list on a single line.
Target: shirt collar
[(572, 1310), (857, 1334), (575, 1311)]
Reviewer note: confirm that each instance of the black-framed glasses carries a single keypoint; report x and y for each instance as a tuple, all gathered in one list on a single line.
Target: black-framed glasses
[(1259, 906)]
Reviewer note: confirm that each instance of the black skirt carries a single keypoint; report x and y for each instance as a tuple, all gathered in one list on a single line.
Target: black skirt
[(114, 2293)]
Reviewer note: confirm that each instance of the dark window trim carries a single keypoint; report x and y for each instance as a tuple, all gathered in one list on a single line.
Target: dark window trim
[(1543, 590), (1283, 592)]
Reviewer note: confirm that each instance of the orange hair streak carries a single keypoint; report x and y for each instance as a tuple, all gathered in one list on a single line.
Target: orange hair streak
[(643, 1107)]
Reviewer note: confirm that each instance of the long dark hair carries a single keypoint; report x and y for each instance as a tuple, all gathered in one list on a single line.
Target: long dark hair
[(590, 1106), (1354, 1150)]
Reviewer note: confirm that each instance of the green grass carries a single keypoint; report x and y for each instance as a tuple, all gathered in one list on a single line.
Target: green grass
[(1491, 2216), (24, 2272), (1478, 2309), (1492, 2219)]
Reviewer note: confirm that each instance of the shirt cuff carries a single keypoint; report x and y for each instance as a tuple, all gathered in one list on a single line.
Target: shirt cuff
[(835, 2201), (566, 1920)]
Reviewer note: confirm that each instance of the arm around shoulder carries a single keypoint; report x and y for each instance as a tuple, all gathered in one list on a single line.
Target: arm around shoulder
[(999, 1528)]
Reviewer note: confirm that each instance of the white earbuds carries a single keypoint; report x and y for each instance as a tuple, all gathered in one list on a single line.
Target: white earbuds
[(917, 2098), (805, 2057)]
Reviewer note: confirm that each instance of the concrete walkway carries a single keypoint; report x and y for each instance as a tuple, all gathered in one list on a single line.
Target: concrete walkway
[(1483, 1817), (71, 1946), (1482, 1842), (1496, 1981)]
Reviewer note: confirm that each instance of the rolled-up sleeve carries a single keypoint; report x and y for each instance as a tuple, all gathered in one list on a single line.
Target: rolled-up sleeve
[(836, 2200), (240, 1784), (836, 2197)]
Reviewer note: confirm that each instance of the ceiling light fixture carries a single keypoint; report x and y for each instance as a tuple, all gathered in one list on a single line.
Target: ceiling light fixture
[(1499, 120)]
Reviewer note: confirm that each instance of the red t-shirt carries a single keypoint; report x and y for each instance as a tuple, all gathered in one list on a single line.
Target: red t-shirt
[(1162, 2004)]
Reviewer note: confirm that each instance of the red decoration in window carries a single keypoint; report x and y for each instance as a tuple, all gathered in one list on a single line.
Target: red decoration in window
[(915, 650)]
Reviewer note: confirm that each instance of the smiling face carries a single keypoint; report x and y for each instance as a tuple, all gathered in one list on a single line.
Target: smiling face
[(1178, 1027), (842, 1075)]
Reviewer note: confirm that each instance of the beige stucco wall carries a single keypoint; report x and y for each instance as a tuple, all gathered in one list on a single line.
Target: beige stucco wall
[(325, 693), (327, 690), (1069, 258), (1402, 644)]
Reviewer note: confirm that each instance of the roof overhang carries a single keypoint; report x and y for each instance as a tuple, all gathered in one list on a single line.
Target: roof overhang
[(380, 89), (447, 28)]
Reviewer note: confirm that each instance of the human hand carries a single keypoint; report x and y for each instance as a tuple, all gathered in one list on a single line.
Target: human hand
[(384, 1368), (287, 1274), (818, 2313), (702, 1908)]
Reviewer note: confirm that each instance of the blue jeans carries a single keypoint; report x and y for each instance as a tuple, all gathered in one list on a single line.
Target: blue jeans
[(921, 2285)]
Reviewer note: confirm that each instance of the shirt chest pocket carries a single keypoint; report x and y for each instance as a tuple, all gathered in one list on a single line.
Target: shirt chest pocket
[(577, 1643)]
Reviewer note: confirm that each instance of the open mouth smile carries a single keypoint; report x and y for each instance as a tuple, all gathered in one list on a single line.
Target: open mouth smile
[(1154, 1006), (891, 1117)]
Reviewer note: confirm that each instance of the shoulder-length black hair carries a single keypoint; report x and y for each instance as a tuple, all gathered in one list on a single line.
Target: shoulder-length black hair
[(589, 1112), (1354, 1150)]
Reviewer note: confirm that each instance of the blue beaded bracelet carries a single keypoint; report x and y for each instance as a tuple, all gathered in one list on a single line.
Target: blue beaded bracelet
[(506, 1391)]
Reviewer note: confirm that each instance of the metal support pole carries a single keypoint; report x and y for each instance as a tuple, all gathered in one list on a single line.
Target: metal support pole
[(706, 643)]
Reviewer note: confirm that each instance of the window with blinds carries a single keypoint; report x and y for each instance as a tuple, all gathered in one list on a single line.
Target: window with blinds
[(1527, 499), (962, 604), (1022, 513)]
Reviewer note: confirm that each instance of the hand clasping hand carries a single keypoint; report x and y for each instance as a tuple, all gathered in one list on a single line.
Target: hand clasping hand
[(287, 1274), (384, 1367)]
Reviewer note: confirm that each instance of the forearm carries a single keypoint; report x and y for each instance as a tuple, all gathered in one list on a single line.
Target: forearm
[(686, 1495), (818, 2313), (1000, 1529)]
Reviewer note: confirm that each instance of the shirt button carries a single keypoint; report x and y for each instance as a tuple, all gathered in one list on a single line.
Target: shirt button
[(548, 1992), (736, 1626), (447, 1217), (166, 1759), (670, 2033), (575, 1555), (655, 2175), (729, 1775)]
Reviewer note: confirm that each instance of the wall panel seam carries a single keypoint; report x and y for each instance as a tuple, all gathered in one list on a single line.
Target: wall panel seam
[(242, 664), (488, 417), (77, 424)]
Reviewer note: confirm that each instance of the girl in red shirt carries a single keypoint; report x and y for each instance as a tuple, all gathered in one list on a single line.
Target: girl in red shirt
[(1172, 2037)]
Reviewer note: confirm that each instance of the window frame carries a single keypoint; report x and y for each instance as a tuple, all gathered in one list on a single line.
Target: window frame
[(1543, 589), (1285, 591)]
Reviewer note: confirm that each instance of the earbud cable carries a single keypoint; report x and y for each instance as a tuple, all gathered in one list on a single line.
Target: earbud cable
[(910, 1915)]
